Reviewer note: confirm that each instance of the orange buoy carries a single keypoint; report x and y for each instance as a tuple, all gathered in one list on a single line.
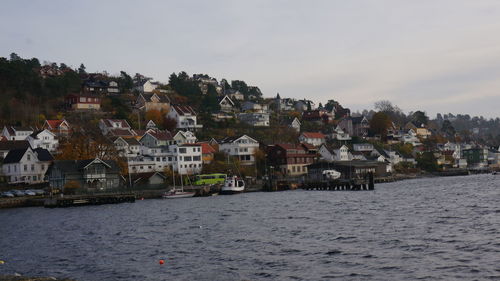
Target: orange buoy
[(162, 261)]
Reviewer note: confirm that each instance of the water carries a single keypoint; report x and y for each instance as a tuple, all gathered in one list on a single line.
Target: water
[(424, 229)]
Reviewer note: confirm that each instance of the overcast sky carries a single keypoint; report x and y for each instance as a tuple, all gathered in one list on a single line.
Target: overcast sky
[(431, 55)]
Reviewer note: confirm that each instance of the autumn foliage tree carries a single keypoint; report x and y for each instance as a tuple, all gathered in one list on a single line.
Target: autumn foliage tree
[(155, 115), (380, 124)]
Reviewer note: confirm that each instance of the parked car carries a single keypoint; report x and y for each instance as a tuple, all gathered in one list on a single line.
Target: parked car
[(7, 194), (30, 192), (38, 191), (18, 193)]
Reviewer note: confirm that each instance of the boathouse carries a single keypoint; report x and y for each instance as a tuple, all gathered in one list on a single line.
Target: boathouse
[(90, 174)]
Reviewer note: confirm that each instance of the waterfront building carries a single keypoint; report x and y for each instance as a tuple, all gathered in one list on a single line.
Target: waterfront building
[(91, 174), (289, 159), (26, 165), (242, 147)]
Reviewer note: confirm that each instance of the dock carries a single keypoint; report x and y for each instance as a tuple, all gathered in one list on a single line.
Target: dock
[(84, 200), (366, 183)]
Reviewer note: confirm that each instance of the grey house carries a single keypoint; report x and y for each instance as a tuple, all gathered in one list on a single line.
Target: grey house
[(88, 174)]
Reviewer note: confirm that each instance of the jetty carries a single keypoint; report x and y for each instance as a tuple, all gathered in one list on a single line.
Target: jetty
[(342, 184), (83, 200)]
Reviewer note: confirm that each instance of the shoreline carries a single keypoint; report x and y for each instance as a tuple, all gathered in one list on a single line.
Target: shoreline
[(25, 202)]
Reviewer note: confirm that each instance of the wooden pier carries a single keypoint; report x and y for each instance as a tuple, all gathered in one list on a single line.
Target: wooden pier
[(367, 183), (83, 200)]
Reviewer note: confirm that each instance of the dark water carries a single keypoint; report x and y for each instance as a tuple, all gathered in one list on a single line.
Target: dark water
[(425, 229)]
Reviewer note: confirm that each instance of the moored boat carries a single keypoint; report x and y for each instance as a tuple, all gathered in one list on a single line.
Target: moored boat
[(173, 194), (233, 185)]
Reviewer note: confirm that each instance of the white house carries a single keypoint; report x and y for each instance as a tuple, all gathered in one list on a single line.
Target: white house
[(242, 147), (127, 147), (189, 160), (26, 165), (330, 155), (295, 124), (185, 117), (183, 137), (184, 159), (44, 139), (157, 139), (226, 104), (113, 87), (411, 138), (255, 119), (339, 134), (363, 147), (16, 133), (147, 86), (313, 138)]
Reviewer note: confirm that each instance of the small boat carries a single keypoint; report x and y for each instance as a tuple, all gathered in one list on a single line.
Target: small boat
[(233, 185), (176, 193)]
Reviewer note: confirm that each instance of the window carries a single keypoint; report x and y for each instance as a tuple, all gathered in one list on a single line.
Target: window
[(187, 158), (32, 167), (196, 158), (182, 150), (29, 157), (25, 167)]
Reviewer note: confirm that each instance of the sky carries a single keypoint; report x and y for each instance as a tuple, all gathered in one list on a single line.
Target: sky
[(430, 55)]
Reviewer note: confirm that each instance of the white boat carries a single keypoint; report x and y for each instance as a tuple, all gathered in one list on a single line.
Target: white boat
[(175, 193), (233, 185)]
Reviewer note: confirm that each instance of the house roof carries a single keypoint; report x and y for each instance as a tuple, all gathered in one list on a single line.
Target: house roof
[(184, 110), (162, 135), (15, 155), (121, 132), (137, 177), (162, 98), (36, 133), (313, 135), (43, 154), (357, 120), (232, 139), (14, 144), (74, 166), (53, 124), (226, 97), (206, 148), (109, 122), (12, 130)]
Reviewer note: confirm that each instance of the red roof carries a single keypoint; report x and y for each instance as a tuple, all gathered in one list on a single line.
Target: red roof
[(206, 148), (54, 124), (311, 135), (121, 132), (162, 135), (184, 110)]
